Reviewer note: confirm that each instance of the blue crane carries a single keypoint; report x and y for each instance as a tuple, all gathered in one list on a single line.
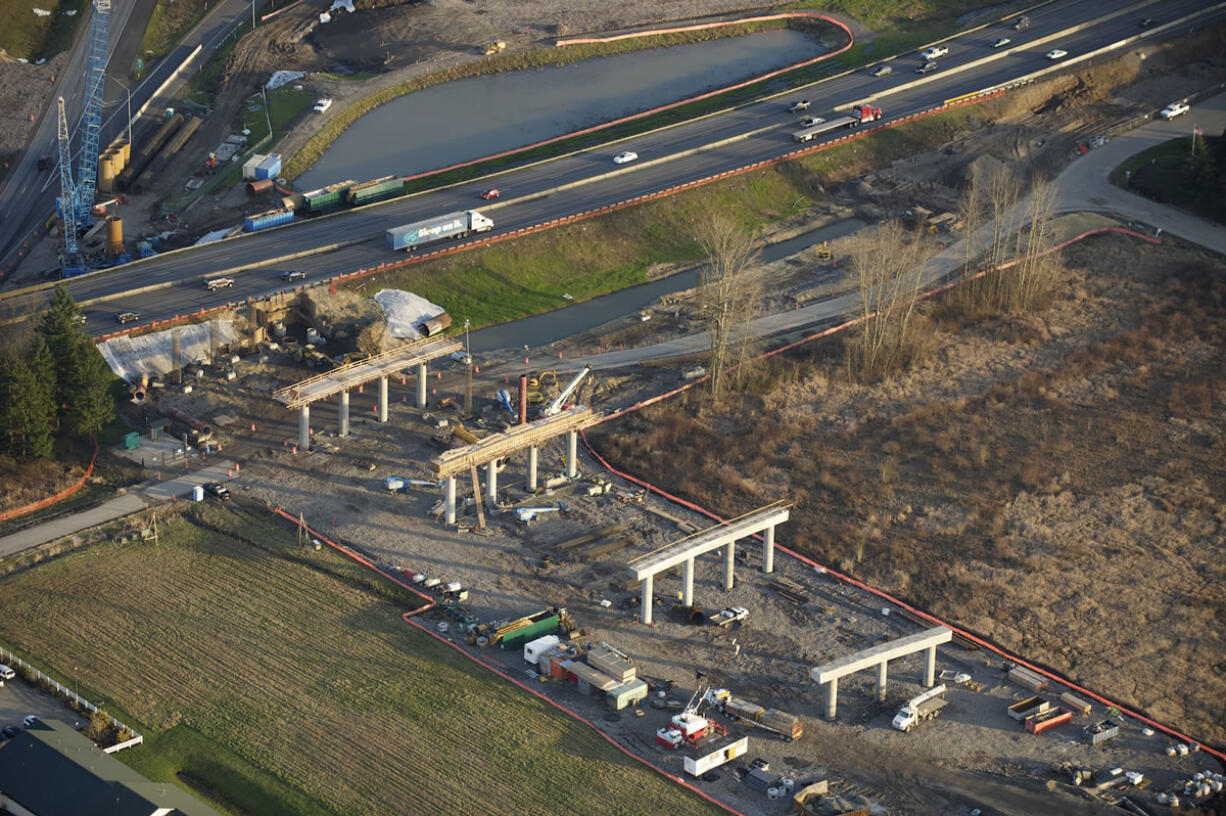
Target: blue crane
[(65, 205), (91, 118)]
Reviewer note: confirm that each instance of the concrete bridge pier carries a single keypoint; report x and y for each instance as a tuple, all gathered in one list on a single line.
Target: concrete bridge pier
[(729, 565), (343, 415), (881, 674), (649, 588), (450, 501), (768, 549), (421, 385), (383, 398), (532, 478), (687, 583), (304, 428), (491, 483), (572, 454), (930, 667), (832, 699)]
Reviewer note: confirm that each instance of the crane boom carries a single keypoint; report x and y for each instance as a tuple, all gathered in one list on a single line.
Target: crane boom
[(91, 118), (555, 406), (67, 200)]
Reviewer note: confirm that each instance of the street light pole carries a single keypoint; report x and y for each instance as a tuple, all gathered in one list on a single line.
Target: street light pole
[(129, 92)]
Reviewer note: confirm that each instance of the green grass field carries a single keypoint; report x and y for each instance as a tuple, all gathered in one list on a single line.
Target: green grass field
[(26, 35), (277, 680), (529, 275)]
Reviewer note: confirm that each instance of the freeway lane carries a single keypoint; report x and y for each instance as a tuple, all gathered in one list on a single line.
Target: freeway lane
[(367, 226)]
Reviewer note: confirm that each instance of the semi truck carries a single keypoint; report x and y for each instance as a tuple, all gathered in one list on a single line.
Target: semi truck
[(860, 114), (452, 225), (779, 722), (920, 707)]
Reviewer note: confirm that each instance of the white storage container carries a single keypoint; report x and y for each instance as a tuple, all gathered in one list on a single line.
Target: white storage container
[(533, 649)]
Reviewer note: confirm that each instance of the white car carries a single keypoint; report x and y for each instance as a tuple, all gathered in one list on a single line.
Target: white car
[(322, 105), (935, 52), (812, 121), (1174, 109), (1001, 42), (1056, 54), (625, 157)]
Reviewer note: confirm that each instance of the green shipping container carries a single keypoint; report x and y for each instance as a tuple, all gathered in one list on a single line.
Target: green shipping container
[(322, 201), (516, 639), (376, 191)]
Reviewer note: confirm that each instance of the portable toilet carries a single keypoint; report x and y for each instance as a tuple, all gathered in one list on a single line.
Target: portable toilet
[(533, 649), (131, 441), (198, 493)]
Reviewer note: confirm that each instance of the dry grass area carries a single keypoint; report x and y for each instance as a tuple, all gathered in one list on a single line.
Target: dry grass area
[(1051, 481), (29, 480), (297, 662)]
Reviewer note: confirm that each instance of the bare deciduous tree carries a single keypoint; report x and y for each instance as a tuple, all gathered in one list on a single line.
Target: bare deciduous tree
[(728, 294), (887, 263)]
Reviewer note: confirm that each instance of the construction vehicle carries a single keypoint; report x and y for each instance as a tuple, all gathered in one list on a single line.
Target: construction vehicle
[(729, 616), (689, 726), (496, 47), (786, 725), (860, 114), (921, 707), (526, 514), (512, 634), (555, 405)]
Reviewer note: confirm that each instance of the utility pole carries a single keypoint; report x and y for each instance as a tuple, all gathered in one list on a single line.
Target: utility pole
[(468, 358)]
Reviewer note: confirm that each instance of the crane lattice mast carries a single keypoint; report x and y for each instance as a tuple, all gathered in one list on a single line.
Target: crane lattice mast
[(91, 118)]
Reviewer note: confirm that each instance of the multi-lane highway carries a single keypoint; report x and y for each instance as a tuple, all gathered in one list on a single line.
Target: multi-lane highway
[(27, 196), (172, 284)]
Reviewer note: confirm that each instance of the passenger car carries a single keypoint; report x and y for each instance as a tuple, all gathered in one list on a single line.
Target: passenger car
[(127, 317), (625, 157), (1001, 42), (934, 52), (293, 274), (1174, 109), (217, 489), (491, 193), (10, 731), (927, 68), (1056, 53), (882, 70)]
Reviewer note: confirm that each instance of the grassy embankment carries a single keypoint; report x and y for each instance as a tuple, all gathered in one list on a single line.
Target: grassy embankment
[(1168, 173), (530, 274), (279, 680), (28, 36)]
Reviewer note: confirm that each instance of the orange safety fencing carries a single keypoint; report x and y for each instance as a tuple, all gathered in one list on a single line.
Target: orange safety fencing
[(50, 500)]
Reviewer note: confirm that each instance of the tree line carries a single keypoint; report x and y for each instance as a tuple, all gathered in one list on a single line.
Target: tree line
[(54, 384)]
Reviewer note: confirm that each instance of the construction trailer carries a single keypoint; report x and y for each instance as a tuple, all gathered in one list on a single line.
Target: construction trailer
[(711, 754), (624, 695)]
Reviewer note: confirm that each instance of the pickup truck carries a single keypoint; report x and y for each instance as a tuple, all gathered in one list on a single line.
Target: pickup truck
[(1174, 109), (798, 106), (935, 52), (213, 284), (811, 121)]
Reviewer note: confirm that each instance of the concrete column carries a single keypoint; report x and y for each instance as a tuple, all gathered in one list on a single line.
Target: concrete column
[(383, 399), (572, 454), (930, 670), (832, 699), (532, 454), (304, 427), (649, 589), (491, 483), (450, 500), (687, 583), (729, 557), (881, 672), (421, 385), (343, 414), (768, 549)]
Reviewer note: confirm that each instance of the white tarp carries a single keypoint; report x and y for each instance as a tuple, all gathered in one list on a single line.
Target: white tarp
[(325, 17), (337, 5), (130, 357), (404, 310), (283, 78), (215, 235)]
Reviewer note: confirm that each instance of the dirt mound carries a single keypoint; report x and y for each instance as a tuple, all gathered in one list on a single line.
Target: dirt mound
[(24, 92)]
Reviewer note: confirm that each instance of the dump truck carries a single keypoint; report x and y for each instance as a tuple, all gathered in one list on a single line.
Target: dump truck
[(920, 707), (860, 114), (452, 225)]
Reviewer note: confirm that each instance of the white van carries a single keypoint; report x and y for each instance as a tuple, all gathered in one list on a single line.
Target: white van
[(6, 673)]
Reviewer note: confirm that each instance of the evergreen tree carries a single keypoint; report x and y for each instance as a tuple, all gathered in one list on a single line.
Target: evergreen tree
[(62, 332), (90, 404), (11, 423), (25, 409), (43, 411)]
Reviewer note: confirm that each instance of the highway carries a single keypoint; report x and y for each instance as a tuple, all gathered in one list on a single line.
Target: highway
[(27, 196), (172, 283)]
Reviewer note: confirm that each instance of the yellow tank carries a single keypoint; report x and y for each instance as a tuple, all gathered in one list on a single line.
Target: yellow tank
[(106, 173), (114, 235), (123, 150)]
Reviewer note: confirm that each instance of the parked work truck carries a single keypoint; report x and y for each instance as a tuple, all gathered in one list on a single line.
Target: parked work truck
[(452, 225), (920, 707), (860, 114), (782, 723)]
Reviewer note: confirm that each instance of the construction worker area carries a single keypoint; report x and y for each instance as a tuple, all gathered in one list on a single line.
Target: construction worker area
[(704, 648)]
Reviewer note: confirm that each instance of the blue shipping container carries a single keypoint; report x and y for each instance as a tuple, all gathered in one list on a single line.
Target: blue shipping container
[(270, 168), (264, 220)]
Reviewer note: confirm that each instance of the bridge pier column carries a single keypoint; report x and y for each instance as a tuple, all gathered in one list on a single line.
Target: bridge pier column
[(572, 454), (450, 505), (491, 483), (832, 699), (383, 399), (343, 415), (881, 673), (648, 593), (421, 385), (768, 549), (304, 428), (532, 478), (729, 559), (687, 583), (930, 667)]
